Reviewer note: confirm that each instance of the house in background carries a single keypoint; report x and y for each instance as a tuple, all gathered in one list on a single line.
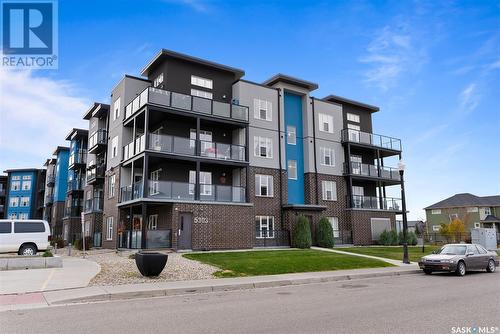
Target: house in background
[(26, 188), (473, 211)]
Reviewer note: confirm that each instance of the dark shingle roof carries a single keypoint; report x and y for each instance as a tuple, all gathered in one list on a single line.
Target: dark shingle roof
[(491, 218), (465, 200)]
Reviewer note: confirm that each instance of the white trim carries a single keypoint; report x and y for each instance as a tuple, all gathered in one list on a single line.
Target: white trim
[(353, 118), (202, 82), (263, 142), (266, 181), (436, 211), (325, 119), (329, 190), (323, 155), (153, 222), (292, 165), (291, 132), (264, 224), (109, 228), (262, 106)]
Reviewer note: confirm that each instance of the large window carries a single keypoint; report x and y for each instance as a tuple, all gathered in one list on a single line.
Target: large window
[(327, 156), (109, 228), (15, 185), (292, 169), (262, 109), (116, 109), (14, 202), (334, 221), (264, 185), (436, 211), (114, 147), (201, 93), (202, 82), (111, 186), (325, 123), (291, 135), (152, 222), (205, 183), (25, 201), (263, 147), (13, 216), (264, 226), (353, 118), (329, 190), (26, 185)]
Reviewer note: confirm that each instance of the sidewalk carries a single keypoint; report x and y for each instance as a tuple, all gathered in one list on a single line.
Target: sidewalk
[(391, 261), (75, 273), (147, 290)]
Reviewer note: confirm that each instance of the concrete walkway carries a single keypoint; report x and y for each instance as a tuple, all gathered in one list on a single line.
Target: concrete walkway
[(391, 261), (75, 273), (148, 290)]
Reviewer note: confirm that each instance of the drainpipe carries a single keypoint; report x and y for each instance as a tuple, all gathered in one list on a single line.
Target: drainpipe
[(278, 91), (314, 147)]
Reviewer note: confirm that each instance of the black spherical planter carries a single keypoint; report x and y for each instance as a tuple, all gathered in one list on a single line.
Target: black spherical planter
[(150, 264)]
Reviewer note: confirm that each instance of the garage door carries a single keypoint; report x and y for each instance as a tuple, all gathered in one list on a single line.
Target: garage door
[(379, 225)]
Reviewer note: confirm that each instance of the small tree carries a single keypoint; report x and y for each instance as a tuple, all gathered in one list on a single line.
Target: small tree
[(324, 234), (302, 233), (456, 228)]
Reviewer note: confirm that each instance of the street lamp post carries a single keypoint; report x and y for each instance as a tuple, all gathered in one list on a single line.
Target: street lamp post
[(401, 168)]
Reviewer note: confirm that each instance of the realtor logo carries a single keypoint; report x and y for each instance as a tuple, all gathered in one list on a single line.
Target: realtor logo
[(29, 34)]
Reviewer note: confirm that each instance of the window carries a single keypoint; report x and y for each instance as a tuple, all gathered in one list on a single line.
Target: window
[(152, 222), (26, 185), (14, 202), (26, 227), (26, 177), (329, 190), (487, 211), (5, 227), (264, 226), (116, 109), (111, 186), (436, 228), (353, 118), (25, 201), (23, 216), (477, 225), (201, 93), (481, 249), (263, 147), (13, 216), (291, 135), (202, 82), (16, 178), (263, 185), (114, 147), (334, 221), (15, 185), (158, 80), (205, 183), (327, 157), (109, 228), (292, 169), (154, 183), (262, 109), (473, 209), (325, 123), (436, 211)]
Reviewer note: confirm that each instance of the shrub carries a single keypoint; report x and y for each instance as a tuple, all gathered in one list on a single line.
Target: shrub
[(384, 238), (393, 237), (57, 241), (324, 234), (78, 243), (302, 233), (47, 253), (411, 238)]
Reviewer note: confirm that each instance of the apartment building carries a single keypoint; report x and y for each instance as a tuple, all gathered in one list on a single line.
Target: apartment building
[(74, 200), (25, 195), (474, 211), (3, 195), (199, 158), (56, 185), (97, 115)]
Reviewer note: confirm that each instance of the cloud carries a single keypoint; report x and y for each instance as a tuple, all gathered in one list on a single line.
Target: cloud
[(196, 5), (391, 53), (36, 114), (469, 98)]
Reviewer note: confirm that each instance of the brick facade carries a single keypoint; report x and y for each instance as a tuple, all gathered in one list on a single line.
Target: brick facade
[(111, 209), (361, 222)]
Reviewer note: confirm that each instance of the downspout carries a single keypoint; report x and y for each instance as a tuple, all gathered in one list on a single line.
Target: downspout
[(314, 147), (278, 90)]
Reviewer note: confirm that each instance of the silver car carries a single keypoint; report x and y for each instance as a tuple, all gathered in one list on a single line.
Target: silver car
[(459, 258)]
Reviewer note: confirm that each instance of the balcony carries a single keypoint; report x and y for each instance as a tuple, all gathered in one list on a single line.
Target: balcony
[(95, 174), (189, 103), (94, 205), (72, 211), (375, 203), (78, 158), (134, 147), (183, 191), (186, 146), (370, 139), (75, 185), (51, 180), (371, 171), (98, 140)]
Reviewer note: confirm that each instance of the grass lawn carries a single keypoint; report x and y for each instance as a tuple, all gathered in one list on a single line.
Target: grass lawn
[(252, 263), (394, 252)]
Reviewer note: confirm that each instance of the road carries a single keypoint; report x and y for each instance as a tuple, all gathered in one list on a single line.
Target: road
[(405, 304)]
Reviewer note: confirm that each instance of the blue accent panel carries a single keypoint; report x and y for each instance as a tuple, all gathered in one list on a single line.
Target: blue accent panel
[(61, 182), (21, 193), (293, 117)]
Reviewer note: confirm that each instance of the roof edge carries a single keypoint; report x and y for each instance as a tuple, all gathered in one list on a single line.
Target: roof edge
[(354, 102)]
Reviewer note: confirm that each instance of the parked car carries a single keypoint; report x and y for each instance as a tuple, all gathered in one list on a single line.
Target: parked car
[(460, 258), (26, 237)]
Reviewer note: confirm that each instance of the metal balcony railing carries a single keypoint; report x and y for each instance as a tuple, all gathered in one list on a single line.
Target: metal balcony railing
[(375, 203), (367, 170), (185, 102), (95, 172), (72, 211), (75, 185), (371, 139), (78, 157), (94, 204), (100, 137), (134, 147)]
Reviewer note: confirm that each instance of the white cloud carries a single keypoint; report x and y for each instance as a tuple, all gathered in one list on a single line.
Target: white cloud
[(36, 114), (469, 98), (197, 5)]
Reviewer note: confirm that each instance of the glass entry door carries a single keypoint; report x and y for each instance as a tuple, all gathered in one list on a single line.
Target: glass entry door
[(136, 237)]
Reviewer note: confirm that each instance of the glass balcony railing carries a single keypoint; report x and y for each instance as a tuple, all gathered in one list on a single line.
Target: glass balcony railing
[(75, 185), (375, 203), (187, 103), (94, 204), (365, 138), (134, 147), (94, 173), (78, 157), (367, 170), (100, 137), (186, 146)]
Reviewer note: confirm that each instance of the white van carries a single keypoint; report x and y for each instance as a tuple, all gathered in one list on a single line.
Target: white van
[(26, 237)]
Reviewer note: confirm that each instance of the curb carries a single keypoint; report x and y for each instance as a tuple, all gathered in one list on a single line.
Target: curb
[(107, 293)]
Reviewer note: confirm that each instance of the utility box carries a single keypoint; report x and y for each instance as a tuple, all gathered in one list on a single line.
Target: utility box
[(486, 237)]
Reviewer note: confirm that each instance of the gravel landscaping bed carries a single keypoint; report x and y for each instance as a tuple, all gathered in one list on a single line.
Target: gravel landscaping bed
[(118, 268)]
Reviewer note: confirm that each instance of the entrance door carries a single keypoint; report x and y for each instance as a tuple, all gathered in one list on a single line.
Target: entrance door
[(184, 232), (136, 237)]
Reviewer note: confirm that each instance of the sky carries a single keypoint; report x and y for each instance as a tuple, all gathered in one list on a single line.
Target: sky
[(433, 68)]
